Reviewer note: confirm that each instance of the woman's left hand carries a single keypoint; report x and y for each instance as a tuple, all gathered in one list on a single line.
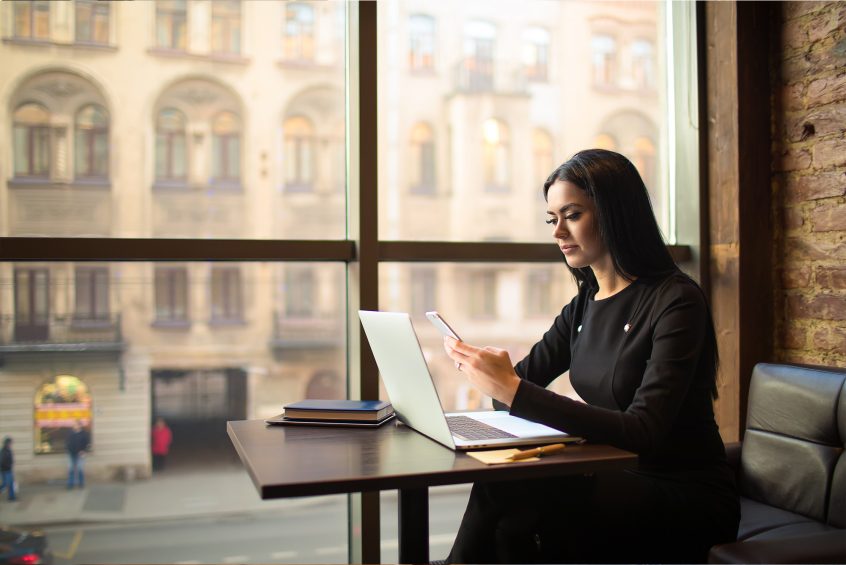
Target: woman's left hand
[(489, 369)]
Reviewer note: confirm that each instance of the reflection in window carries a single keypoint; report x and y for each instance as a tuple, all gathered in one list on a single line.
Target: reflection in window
[(226, 147), (92, 21), (226, 26), (542, 157), (422, 159), (482, 294), (643, 65), (495, 157), (605, 141), (299, 154), (32, 304), (604, 54), (32, 141), (298, 40), (539, 294), (92, 293), (421, 37), (423, 290), (477, 69), (171, 157), (226, 295), (92, 142), (536, 53), (299, 292), (32, 19), (171, 288), (171, 24), (59, 405), (644, 160)]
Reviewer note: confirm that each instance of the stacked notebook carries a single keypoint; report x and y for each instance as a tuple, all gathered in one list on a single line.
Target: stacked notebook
[(365, 413)]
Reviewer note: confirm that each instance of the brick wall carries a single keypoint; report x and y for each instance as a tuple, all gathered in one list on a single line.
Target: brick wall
[(809, 182)]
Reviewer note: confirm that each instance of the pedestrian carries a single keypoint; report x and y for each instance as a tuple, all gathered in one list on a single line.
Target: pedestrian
[(77, 444), (160, 444), (639, 343), (7, 463)]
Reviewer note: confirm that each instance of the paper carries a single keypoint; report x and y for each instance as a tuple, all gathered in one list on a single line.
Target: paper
[(498, 456)]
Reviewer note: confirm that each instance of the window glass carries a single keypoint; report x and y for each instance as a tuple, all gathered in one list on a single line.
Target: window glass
[(298, 40), (92, 142), (226, 26), (521, 91), (421, 41), (171, 24), (171, 145), (32, 140), (92, 21)]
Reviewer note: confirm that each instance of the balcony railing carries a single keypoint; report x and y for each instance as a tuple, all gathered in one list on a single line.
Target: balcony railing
[(307, 333), (480, 76), (61, 334)]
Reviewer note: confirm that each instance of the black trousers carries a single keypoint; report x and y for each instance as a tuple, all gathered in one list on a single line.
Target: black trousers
[(622, 517)]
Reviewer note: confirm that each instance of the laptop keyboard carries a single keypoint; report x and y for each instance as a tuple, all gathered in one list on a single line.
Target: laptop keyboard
[(471, 429)]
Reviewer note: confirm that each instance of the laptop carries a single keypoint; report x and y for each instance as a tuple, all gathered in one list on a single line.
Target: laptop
[(415, 399)]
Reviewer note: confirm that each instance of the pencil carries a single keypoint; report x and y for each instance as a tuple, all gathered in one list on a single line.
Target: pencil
[(538, 451)]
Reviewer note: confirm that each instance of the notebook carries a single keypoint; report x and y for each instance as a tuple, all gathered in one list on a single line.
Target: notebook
[(414, 397)]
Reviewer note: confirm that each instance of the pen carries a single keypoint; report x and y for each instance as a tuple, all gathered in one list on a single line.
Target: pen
[(542, 450)]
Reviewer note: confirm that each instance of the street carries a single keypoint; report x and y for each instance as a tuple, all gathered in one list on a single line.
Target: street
[(316, 533)]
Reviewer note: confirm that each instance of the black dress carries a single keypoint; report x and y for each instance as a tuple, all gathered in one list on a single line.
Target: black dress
[(640, 360)]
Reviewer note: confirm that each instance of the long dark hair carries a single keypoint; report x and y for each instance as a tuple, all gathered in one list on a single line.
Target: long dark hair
[(627, 226)]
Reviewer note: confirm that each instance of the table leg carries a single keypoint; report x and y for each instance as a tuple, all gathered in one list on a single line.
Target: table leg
[(414, 525)]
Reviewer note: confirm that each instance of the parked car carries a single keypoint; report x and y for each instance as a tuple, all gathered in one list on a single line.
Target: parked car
[(21, 547)]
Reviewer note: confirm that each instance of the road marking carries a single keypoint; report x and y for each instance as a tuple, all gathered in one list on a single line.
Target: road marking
[(283, 554), (235, 559), (74, 545), (342, 549)]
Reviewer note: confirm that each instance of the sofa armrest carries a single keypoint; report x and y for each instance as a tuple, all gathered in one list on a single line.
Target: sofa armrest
[(733, 455), (820, 547)]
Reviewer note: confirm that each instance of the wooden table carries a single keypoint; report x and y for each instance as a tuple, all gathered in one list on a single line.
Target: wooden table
[(291, 461)]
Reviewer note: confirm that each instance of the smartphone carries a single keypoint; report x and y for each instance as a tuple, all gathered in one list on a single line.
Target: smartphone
[(441, 324)]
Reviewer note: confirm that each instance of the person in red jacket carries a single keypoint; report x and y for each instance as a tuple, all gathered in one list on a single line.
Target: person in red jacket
[(160, 444)]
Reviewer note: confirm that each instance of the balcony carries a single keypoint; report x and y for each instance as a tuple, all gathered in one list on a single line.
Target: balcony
[(61, 334), (306, 334), (480, 76)]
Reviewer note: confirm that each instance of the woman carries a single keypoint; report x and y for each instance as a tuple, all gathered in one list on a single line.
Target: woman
[(639, 342), (161, 438)]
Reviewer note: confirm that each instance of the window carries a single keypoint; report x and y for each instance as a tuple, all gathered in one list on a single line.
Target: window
[(477, 68), (539, 295), (171, 24), (226, 147), (92, 142), (482, 290), (423, 290), (32, 304), (171, 289), (92, 293), (604, 60), (643, 64), (543, 161), (92, 21), (226, 27), (496, 156), (299, 154), (536, 53), (298, 40), (32, 141), (171, 146), (644, 159), (32, 19), (422, 160), (421, 39), (299, 292), (226, 296)]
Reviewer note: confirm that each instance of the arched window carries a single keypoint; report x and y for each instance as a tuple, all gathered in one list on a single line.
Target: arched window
[(421, 36), (479, 47), (171, 155), (604, 56), (92, 142), (422, 159), (536, 53), (496, 156), (605, 141), (541, 157), (299, 154), (643, 64), (32, 141), (226, 26), (226, 147), (298, 40)]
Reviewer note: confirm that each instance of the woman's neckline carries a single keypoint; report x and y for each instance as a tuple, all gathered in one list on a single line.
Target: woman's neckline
[(616, 294)]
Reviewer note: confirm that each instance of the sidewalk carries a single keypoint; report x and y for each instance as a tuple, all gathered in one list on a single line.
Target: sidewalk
[(180, 494)]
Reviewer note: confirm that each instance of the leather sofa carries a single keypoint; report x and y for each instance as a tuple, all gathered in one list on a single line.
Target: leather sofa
[(791, 469)]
